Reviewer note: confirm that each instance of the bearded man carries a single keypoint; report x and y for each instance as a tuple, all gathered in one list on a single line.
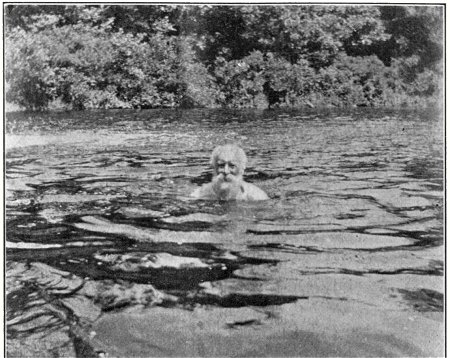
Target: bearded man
[(229, 162)]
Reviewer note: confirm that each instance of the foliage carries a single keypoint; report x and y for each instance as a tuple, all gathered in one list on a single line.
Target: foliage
[(261, 80), (86, 67), (134, 56), (315, 33), (416, 31)]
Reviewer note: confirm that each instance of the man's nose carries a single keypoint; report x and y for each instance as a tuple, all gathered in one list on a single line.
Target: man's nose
[(226, 169)]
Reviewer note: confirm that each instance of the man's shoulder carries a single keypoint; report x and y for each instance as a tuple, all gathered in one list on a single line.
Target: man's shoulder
[(252, 192), (203, 192)]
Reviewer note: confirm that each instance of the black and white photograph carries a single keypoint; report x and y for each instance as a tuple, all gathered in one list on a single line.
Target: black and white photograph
[(224, 179)]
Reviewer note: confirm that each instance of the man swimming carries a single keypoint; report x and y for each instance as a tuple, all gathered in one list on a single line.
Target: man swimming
[(228, 163)]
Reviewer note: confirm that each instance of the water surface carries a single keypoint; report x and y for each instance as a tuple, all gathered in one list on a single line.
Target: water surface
[(102, 237)]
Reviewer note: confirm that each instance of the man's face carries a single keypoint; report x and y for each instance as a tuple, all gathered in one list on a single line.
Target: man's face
[(228, 167)]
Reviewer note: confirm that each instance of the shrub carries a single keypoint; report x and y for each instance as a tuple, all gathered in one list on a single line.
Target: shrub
[(241, 81), (30, 78), (90, 67), (242, 57)]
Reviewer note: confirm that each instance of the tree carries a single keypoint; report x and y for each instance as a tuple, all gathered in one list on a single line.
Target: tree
[(133, 56), (314, 33)]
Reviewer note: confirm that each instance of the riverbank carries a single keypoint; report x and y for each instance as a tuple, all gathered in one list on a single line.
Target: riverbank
[(222, 57), (434, 104)]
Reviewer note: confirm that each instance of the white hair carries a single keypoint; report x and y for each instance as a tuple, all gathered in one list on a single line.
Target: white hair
[(237, 151)]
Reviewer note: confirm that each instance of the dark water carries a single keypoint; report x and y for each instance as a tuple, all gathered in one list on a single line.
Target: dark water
[(99, 224)]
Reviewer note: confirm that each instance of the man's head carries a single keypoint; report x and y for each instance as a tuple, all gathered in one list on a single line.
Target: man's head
[(228, 161)]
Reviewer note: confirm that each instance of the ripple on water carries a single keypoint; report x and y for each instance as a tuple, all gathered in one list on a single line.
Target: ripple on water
[(105, 247)]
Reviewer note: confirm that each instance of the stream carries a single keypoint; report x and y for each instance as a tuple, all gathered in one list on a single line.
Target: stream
[(107, 255)]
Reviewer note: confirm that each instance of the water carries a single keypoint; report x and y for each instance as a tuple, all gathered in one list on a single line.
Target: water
[(106, 252)]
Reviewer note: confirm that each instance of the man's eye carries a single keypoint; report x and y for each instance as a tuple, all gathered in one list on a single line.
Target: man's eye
[(232, 166)]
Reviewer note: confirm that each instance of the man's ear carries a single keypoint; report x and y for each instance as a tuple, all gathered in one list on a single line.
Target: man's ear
[(241, 169)]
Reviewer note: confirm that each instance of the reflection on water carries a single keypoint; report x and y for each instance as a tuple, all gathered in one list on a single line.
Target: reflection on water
[(99, 224)]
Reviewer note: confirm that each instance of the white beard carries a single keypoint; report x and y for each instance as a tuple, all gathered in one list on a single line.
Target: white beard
[(227, 190)]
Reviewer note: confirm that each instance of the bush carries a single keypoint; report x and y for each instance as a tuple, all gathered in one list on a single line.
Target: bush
[(199, 87), (264, 80), (356, 81), (239, 81), (30, 78), (91, 67), (78, 57)]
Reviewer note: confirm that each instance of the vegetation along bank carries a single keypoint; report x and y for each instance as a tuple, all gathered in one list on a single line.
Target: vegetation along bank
[(157, 56)]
